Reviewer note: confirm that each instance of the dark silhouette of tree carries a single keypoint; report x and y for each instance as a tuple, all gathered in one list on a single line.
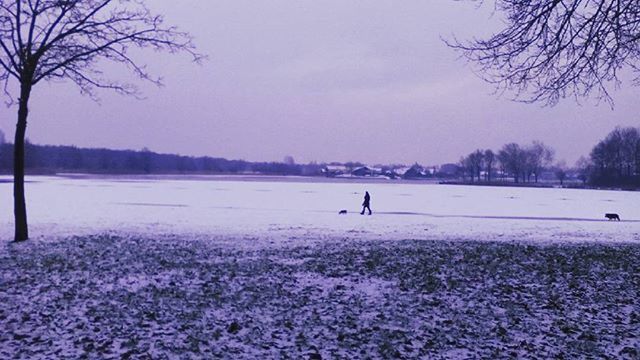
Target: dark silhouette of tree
[(464, 166), (32, 155), (521, 162), (584, 168), (560, 171), (52, 159), (2, 138), (615, 160), (67, 39), (630, 150), (551, 49), (289, 160), (472, 164), (489, 160), (6, 157), (476, 160), (539, 156), (146, 159), (513, 157)]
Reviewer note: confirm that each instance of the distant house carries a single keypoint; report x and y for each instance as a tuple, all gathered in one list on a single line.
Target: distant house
[(363, 171), (415, 172), (389, 173), (334, 170)]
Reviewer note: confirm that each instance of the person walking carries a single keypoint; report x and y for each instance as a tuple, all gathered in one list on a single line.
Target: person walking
[(367, 203)]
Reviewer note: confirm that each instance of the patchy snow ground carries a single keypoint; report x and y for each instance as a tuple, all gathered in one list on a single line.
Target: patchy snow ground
[(214, 267), (176, 297)]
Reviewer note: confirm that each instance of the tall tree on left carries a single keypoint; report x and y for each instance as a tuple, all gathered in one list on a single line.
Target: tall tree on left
[(68, 39)]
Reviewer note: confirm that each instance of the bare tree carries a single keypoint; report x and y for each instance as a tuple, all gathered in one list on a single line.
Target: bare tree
[(472, 164), (513, 158), (584, 167), (615, 159), (560, 170), (489, 160), (67, 39), (478, 162), (464, 166), (539, 157), (630, 146), (551, 49)]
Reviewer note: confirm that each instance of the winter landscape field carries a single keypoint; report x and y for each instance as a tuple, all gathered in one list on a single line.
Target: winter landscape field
[(286, 209), (266, 268)]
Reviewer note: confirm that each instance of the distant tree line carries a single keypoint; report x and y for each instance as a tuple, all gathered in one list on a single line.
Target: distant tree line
[(614, 161), (51, 159), (521, 163)]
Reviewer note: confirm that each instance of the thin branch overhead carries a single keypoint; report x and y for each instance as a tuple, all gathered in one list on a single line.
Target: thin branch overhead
[(66, 39), (552, 49)]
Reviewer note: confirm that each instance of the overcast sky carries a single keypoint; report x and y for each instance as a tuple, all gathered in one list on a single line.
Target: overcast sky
[(321, 81)]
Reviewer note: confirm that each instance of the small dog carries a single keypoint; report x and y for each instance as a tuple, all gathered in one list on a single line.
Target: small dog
[(342, 212), (612, 216)]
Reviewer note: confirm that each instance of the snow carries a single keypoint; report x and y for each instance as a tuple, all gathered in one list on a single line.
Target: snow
[(241, 268), (296, 208), (184, 297)]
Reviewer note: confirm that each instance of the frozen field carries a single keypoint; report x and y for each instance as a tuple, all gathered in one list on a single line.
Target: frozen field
[(286, 210), (212, 268)]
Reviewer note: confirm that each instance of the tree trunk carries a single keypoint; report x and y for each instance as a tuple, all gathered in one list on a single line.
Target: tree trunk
[(19, 204)]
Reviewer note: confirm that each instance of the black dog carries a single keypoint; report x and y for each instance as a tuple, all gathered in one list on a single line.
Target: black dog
[(342, 212), (612, 216)]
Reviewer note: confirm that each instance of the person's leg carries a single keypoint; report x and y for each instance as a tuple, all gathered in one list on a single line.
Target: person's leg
[(369, 207), (362, 212)]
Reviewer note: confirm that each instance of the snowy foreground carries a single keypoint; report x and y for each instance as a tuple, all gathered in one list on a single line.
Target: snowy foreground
[(177, 297), (268, 269)]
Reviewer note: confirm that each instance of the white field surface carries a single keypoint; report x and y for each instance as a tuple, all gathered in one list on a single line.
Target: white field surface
[(283, 210), (213, 267)]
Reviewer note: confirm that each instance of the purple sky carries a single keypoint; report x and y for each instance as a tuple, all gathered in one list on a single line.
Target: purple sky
[(321, 81)]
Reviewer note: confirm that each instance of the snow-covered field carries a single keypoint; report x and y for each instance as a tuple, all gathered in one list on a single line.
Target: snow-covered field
[(281, 210), (245, 269)]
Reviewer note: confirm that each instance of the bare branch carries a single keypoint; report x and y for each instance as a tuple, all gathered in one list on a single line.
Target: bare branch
[(68, 39), (552, 49)]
